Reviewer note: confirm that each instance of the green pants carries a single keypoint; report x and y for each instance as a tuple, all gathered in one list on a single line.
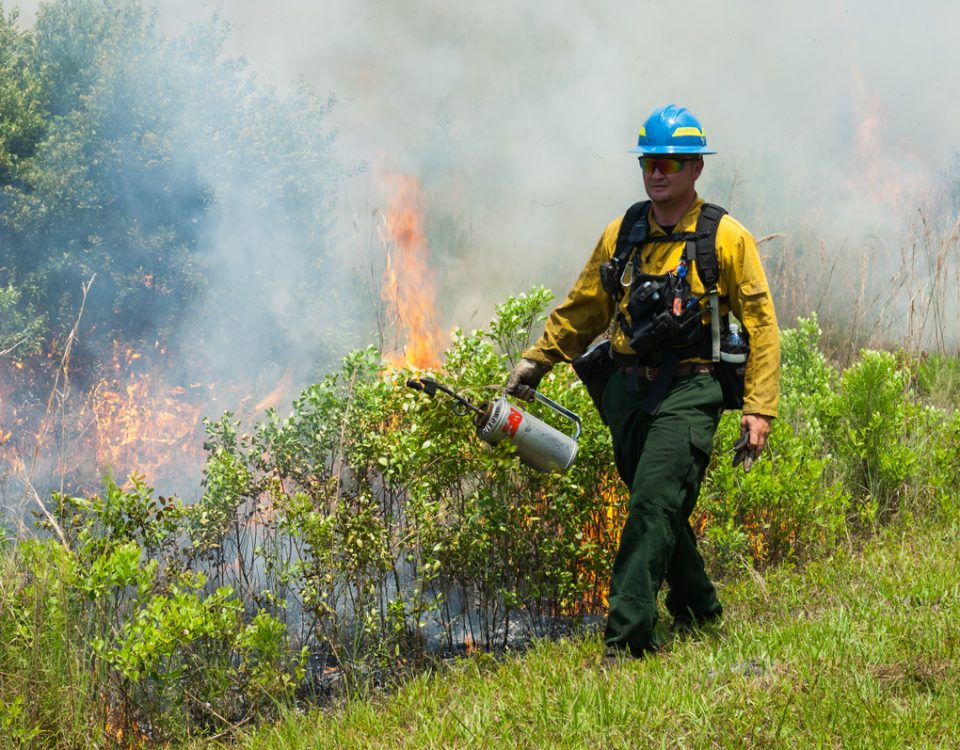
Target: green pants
[(662, 459)]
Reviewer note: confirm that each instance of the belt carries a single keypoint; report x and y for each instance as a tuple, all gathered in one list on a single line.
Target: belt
[(683, 369)]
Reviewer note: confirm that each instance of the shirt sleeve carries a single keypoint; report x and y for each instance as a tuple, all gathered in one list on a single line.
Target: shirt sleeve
[(584, 314), (751, 302)]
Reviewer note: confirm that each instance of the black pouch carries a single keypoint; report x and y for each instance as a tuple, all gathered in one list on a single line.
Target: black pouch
[(594, 368), (648, 295), (664, 329), (731, 371)]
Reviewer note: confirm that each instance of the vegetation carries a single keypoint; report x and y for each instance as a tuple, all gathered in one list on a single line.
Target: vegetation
[(369, 534), (369, 538), (856, 651), (159, 166)]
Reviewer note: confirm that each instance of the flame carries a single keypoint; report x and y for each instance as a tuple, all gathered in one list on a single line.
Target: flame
[(122, 730), (272, 399), (408, 279), (136, 417), (883, 167), (602, 530), (608, 523), (143, 424)]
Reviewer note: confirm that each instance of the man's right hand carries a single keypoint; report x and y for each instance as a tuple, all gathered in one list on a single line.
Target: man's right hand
[(525, 377)]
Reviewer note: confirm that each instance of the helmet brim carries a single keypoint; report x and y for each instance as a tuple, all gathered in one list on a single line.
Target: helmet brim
[(660, 150)]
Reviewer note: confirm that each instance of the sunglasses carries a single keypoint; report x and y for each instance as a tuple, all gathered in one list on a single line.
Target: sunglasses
[(666, 166)]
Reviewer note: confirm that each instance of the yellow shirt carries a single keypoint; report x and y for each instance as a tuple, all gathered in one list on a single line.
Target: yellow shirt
[(588, 309)]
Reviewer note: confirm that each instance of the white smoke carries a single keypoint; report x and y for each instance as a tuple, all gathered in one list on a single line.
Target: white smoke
[(517, 116)]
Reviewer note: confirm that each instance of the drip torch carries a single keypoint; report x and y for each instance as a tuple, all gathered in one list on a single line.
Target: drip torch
[(539, 445)]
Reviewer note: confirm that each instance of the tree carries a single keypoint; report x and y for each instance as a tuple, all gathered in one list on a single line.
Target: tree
[(162, 167)]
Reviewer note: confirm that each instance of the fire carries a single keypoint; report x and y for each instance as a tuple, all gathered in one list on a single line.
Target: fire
[(134, 417), (607, 524), (273, 399), (143, 424), (885, 168), (408, 279)]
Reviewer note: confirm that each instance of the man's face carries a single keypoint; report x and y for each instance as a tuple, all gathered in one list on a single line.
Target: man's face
[(663, 183)]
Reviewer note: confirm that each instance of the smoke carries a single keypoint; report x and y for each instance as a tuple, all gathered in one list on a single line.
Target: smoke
[(828, 115), (830, 118), (517, 118)]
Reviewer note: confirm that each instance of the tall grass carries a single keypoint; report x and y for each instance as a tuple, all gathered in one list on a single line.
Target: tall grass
[(892, 284), (51, 690)]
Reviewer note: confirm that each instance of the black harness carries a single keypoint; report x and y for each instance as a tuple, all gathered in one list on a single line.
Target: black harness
[(665, 320)]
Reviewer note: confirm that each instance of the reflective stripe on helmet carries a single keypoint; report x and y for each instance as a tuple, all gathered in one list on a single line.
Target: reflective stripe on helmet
[(671, 130)]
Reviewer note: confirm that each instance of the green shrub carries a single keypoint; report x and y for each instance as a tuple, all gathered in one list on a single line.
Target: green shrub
[(937, 378), (784, 509), (170, 656), (872, 434), (390, 520), (371, 525)]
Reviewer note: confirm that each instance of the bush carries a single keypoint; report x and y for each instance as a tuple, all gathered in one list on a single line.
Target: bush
[(792, 503), (169, 656), (872, 434), (371, 526), (394, 527)]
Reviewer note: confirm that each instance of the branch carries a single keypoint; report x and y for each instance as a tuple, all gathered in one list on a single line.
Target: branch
[(5, 352), (64, 371)]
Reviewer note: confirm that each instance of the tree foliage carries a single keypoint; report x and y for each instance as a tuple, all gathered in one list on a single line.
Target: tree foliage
[(159, 165)]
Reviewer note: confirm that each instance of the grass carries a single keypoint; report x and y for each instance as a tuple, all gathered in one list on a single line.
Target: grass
[(44, 678), (857, 651)]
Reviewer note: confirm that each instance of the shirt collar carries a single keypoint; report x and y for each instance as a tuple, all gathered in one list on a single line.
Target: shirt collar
[(687, 223)]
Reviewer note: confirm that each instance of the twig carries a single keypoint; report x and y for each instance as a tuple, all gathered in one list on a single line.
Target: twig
[(833, 267), (64, 371), (734, 183), (757, 577), (205, 705), (5, 352)]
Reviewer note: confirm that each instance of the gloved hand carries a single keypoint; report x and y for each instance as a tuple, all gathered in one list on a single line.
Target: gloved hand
[(744, 454), (754, 430), (525, 377)]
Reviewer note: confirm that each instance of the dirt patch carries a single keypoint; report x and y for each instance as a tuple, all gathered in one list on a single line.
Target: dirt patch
[(926, 673)]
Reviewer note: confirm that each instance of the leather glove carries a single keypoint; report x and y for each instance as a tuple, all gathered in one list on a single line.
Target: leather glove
[(743, 454), (525, 377)]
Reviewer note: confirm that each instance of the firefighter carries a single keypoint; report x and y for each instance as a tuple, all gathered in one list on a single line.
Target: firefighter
[(662, 405)]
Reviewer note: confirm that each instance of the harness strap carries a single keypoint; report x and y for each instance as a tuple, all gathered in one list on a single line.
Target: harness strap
[(714, 325), (701, 249), (708, 267)]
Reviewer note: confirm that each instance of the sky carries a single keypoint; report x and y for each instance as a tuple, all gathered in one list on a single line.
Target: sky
[(829, 117)]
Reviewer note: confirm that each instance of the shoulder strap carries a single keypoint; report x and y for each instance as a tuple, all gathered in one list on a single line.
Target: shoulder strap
[(708, 268), (703, 245), (633, 230)]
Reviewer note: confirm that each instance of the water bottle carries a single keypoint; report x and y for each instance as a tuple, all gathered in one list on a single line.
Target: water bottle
[(733, 347)]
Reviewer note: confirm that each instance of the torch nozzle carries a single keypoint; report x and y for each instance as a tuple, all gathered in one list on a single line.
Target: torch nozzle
[(430, 387), (422, 384)]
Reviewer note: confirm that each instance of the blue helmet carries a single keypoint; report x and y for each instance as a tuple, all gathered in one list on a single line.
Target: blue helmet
[(671, 130)]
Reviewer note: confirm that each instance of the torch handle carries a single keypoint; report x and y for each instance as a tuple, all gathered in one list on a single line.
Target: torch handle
[(560, 410)]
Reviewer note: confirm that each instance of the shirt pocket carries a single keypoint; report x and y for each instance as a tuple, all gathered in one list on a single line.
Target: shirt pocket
[(755, 303)]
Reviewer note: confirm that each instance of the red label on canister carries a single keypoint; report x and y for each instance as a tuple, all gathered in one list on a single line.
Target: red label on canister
[(514, 418)]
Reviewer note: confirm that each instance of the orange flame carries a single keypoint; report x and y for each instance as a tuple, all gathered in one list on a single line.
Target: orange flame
[(142, 423), (273, 399), (883, 167), (408, 279)]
